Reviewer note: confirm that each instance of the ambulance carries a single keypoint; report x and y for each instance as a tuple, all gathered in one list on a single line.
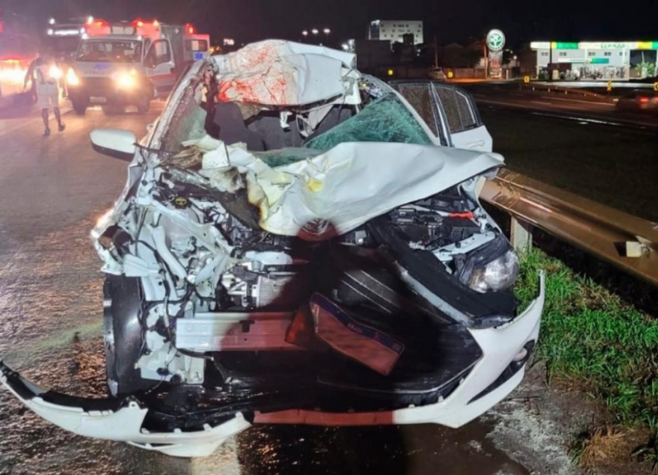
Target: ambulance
[(130, 64)]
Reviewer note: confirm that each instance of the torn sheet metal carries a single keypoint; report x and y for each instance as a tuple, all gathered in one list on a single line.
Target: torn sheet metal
[(343, 188), (282, 73)]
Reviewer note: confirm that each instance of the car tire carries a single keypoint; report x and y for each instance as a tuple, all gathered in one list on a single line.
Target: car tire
[(143, 105), (80, 108), (112, 110), (122, 304)]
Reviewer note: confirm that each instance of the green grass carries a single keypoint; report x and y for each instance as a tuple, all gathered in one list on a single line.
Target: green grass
[(593, 339)]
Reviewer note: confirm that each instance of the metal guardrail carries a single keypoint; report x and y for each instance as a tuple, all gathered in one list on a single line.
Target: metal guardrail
[(605, 232), (567, 91)]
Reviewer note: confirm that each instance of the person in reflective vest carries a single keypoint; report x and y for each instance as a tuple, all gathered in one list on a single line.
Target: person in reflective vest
[(47, 77)]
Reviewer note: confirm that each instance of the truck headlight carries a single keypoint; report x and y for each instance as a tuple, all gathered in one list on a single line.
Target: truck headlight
[(72, 79), (126, 80)]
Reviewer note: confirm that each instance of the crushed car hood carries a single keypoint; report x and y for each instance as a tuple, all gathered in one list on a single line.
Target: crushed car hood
[(339, 190)]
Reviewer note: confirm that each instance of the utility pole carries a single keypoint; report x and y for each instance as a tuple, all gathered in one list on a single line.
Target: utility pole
[(550, 60)]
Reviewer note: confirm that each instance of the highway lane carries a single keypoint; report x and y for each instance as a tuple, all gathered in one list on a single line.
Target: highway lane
[(570, 106), (51, 192)]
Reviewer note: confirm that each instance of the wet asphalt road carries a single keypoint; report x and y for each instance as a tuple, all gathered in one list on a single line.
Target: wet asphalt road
[(51, 192)]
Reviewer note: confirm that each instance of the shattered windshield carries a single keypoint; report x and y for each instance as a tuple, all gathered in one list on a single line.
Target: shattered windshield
[(385, 120)]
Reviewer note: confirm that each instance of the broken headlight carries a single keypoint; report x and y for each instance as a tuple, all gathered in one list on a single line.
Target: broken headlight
[(493, 268)]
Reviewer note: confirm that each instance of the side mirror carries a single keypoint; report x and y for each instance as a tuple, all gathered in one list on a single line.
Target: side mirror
[(114, 143)]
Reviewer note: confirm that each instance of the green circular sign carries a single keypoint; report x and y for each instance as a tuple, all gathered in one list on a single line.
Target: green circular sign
[(495, 40)]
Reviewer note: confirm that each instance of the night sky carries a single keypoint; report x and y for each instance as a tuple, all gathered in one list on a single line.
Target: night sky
[(450, 20)]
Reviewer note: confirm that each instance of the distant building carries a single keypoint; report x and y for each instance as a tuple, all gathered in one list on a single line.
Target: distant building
[(395, 30), (603, 60)]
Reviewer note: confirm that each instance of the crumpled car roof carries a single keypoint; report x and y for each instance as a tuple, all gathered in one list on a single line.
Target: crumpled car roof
[(283, 73)]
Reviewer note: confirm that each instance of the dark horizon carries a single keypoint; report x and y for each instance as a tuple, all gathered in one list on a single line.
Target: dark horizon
[(247, 21)]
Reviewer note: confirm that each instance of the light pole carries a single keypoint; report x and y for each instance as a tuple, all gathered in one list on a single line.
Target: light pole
[(305, 34)]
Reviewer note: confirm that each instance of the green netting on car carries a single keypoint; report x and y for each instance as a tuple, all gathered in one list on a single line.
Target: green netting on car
[(385, 120), (285, 156)]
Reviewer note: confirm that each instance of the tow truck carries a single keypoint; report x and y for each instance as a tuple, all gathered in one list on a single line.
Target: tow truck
[(129, 64)]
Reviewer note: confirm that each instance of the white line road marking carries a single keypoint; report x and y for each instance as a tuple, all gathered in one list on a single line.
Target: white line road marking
[(566, 99)]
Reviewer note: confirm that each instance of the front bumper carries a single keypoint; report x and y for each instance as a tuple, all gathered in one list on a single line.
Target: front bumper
[(123, 420), (104, 91)]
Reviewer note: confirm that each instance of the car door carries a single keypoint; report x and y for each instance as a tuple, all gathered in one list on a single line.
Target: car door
[(463, 120), (449, 112), (160, 67)]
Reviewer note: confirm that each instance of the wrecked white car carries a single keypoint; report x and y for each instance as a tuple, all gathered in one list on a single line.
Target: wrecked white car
[(299, 243)]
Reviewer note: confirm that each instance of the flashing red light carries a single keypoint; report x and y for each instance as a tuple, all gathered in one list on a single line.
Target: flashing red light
[(139, 23), (100, 23), (644, 100), (190, 29)]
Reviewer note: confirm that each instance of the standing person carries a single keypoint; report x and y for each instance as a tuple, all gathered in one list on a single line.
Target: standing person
[(45, 73)]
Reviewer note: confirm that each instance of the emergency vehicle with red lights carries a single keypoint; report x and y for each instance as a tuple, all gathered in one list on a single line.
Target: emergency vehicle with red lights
[(19, 42), (129, 64)]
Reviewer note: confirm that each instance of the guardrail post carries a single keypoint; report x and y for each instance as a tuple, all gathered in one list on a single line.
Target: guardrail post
[(520, 235)]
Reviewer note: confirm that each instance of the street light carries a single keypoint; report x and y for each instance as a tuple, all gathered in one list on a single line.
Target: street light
[(305, 33), (315, 31), (326, 31)]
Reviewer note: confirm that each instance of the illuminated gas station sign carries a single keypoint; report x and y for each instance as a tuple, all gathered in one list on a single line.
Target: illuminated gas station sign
[(589, 45)]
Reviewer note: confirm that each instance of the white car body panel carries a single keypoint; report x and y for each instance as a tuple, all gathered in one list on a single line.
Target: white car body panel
[(338, 186), (473, 139)]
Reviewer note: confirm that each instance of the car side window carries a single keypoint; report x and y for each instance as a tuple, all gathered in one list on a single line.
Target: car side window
[(420, 96), (460, 113)]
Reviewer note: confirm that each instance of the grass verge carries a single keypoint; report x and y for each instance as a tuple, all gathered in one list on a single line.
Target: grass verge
[(594, 340)]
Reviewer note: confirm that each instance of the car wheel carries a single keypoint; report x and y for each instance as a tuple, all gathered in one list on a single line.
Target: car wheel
[(143, 105), (80, 108), (112, 110), (123, 335)]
